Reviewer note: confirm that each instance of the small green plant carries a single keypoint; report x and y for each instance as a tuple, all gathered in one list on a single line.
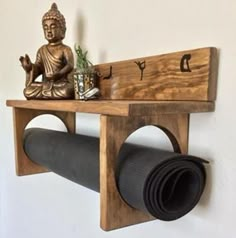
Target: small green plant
[(83, 65)]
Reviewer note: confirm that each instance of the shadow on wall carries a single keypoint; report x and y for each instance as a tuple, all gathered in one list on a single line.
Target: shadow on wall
[(206, 196), (80, 26), (80, 36)]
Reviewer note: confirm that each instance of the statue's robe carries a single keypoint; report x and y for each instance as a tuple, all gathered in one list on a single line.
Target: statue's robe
[(46, 65)]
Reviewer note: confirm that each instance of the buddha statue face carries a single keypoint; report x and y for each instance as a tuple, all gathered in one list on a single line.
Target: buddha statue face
[(54, 25), (52, 31)]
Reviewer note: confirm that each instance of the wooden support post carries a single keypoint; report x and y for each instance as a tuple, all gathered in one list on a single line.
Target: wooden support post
[(115, 213), (21, 117)]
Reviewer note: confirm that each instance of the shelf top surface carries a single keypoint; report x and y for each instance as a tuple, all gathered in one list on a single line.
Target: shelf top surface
[(115, 107)]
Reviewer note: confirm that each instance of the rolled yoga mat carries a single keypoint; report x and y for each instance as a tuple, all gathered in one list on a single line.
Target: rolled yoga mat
[(165, 184)]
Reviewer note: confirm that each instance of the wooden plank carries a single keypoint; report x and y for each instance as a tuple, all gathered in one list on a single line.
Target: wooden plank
[(113, 107), (21, 117), (115, 213), (186, 75), (170, 107), (212, 89), (24, 165)]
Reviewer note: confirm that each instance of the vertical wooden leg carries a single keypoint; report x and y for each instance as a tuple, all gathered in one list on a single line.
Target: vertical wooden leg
[(115, 213), (21, 117)]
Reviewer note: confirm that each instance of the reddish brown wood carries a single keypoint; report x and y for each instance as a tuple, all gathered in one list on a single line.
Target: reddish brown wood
[(162, 77), (114, 107)]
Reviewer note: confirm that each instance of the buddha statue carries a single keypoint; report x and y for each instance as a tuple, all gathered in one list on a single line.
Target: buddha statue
[(54, 61)]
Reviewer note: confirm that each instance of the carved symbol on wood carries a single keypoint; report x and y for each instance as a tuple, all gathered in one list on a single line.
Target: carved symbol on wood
[(142, 66), (184, 65), (109, 76)]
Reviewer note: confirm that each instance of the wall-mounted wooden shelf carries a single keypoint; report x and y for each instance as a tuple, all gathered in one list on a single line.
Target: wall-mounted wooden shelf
[(119, 118)]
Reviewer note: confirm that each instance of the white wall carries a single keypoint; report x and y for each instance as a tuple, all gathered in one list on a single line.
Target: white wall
[(46, 205)]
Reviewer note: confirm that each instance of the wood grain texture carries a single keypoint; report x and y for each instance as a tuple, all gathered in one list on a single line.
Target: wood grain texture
[(115, 213), (162, 77), (115, 107), (21, 117)]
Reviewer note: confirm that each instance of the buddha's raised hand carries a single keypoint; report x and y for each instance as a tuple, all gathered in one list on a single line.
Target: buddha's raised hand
[(26, 63)]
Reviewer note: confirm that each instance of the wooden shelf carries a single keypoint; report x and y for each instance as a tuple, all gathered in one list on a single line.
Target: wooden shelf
[(117, 108), (119, 118), (180, 88)]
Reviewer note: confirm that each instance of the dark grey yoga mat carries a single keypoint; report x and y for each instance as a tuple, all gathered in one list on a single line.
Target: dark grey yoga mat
[(165, 184)]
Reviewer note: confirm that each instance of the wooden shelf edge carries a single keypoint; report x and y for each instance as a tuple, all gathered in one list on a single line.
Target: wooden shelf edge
[(116, 107)]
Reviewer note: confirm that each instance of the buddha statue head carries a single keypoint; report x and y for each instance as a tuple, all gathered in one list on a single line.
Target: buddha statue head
[(54, 25)]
